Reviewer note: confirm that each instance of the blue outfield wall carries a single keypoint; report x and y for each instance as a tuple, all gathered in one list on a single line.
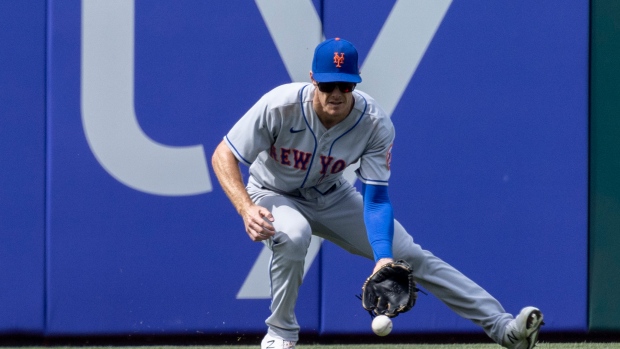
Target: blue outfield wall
[(22, 166), (489, 100)]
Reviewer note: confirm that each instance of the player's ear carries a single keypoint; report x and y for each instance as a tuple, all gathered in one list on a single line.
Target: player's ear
[(311, 76)]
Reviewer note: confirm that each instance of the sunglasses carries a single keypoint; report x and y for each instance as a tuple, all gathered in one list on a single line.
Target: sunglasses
[(329, 87)]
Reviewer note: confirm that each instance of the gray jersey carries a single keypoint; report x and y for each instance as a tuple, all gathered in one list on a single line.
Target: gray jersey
[(287, 148)]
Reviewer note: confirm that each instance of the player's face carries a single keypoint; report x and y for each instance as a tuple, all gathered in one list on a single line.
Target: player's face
[(333, 100)]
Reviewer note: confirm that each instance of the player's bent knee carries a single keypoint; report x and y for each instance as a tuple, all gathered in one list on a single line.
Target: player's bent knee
[(292, 246)]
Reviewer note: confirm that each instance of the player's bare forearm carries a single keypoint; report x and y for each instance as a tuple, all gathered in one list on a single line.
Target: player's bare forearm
[(226, 168)]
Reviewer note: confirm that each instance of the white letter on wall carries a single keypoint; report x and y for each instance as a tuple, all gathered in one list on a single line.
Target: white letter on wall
[(108, 115)]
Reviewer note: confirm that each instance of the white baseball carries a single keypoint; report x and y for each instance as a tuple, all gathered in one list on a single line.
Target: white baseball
[(382, 325)]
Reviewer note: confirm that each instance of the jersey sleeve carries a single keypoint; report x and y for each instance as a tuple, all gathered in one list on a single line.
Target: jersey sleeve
[(375, 162), (254, 132)]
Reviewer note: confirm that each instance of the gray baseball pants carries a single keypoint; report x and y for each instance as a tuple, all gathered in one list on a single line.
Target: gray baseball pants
[(338, 217)]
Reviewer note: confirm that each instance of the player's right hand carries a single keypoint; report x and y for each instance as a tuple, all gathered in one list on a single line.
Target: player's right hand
[(257, 222)]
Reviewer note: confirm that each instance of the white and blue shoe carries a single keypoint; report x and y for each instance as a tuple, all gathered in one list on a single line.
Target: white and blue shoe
[(270, 342), (522, 332)]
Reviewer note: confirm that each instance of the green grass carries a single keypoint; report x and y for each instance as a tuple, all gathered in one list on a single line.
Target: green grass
[(542, 345)]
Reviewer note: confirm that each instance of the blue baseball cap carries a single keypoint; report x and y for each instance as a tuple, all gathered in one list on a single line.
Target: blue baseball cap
[(335, 60)]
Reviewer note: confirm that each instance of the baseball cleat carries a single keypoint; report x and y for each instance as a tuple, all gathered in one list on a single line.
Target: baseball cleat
[(270, 342), (522, 332)]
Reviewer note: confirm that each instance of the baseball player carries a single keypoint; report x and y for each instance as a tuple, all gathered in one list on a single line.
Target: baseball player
[(297, 140)]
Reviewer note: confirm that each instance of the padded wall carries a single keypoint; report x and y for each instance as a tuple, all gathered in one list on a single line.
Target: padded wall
[(605, 166), (22, 166), (116, 106)]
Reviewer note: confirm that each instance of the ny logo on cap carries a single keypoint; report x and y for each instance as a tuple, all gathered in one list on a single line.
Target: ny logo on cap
[(338, 60)]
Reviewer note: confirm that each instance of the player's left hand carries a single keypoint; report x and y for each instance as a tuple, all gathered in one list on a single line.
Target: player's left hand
[(381, 262), (390, 290)]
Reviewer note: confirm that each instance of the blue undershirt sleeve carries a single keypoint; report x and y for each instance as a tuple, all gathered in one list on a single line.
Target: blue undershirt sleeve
[(379, 220)]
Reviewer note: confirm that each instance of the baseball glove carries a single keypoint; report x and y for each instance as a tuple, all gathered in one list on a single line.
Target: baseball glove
[(390, 291)]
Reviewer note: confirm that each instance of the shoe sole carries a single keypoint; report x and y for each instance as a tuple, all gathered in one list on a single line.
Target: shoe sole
[(534, 320)]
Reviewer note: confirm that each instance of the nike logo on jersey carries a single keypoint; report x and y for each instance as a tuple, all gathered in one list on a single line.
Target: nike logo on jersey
[(296, 131)]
